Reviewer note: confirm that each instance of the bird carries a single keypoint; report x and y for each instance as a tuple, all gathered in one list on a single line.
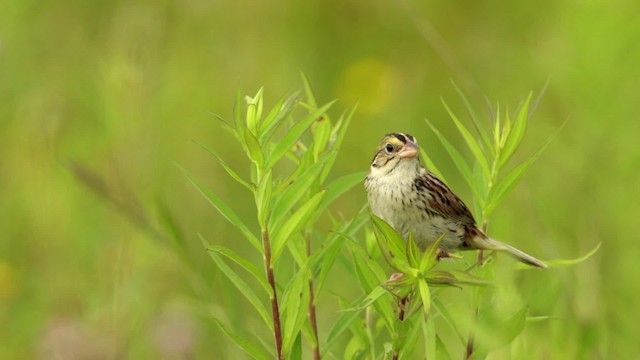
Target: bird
[(413, 200)]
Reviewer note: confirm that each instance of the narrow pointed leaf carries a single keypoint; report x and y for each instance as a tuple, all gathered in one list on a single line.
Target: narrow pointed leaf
[(226, 167), (471, 142), (263, 198), (458, 160), (508, 183), (293, 224), (308, 93), (517, 132), (443, 310), (321, 130), (338, 187), (255, 150), (249, 348), (243, 288), (290, 195), (224, 210), (430, 256), (238, 112), (296, 300), (337, 136), (392, 245), (474, 118), (431, 166), (291, 137), (282, 112), (559, 263), (245, 264), (425, 296), (430, 338)]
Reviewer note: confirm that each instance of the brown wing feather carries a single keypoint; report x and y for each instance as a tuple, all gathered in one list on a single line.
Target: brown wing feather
[(445, 203)]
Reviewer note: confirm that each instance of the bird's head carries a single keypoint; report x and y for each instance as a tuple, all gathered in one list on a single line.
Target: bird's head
[(396, 151)]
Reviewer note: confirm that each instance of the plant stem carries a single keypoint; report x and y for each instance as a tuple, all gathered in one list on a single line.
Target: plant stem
[(312, 310), (401, 305), (275, 311)]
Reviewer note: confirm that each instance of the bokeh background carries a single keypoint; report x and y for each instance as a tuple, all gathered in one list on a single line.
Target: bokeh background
[(114, 92)]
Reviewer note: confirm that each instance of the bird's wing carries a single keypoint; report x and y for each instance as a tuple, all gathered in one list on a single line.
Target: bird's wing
[(443, 201)]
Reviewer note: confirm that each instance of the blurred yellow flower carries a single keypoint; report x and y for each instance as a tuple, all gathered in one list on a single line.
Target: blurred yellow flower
[(370, 81)]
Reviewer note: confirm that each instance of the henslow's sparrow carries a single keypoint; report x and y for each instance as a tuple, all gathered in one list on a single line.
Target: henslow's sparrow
[(413, 200)]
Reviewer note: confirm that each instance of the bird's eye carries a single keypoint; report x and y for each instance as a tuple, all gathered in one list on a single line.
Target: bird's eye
[(389, 148)]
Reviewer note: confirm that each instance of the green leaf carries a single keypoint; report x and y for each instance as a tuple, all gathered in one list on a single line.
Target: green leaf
[(226, 167), (430, 338), (471, 142), (276, 117), (455, 277), (337, 136), (516, 133), (343, 322), (458, 160), (508, 183), (337, 188), (263, 198), (294, 308), (244, 288), (238, 112), (443, 310), (425, 296), (409, 330), (474, 118), (430, 256), (296, 351), (392, 245), (224, 210), (254, 112), (251, 349), (325, 257), (288, 197), (559, 263), (413, 253), (245, 264), (431, 166), (370, 281), (254, 148), (321, 130), (293, 224), (291, 137), (311, 100)]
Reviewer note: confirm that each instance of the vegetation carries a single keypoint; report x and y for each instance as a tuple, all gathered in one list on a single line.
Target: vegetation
[(110, 251)]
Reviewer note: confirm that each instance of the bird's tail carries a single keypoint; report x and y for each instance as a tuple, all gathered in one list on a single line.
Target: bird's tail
[(487, 243)]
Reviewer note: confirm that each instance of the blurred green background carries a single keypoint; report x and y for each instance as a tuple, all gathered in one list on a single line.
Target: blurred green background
[(120, 88)]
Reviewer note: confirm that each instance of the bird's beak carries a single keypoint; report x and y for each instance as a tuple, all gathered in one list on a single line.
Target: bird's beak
[(409, 150)]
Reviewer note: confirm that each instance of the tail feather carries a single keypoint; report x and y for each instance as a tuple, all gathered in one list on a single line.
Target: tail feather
[(487, 243)]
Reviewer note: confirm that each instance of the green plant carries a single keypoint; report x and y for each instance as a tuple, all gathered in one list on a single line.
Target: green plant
[(394, 314), (397, 301), (288, 206)]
